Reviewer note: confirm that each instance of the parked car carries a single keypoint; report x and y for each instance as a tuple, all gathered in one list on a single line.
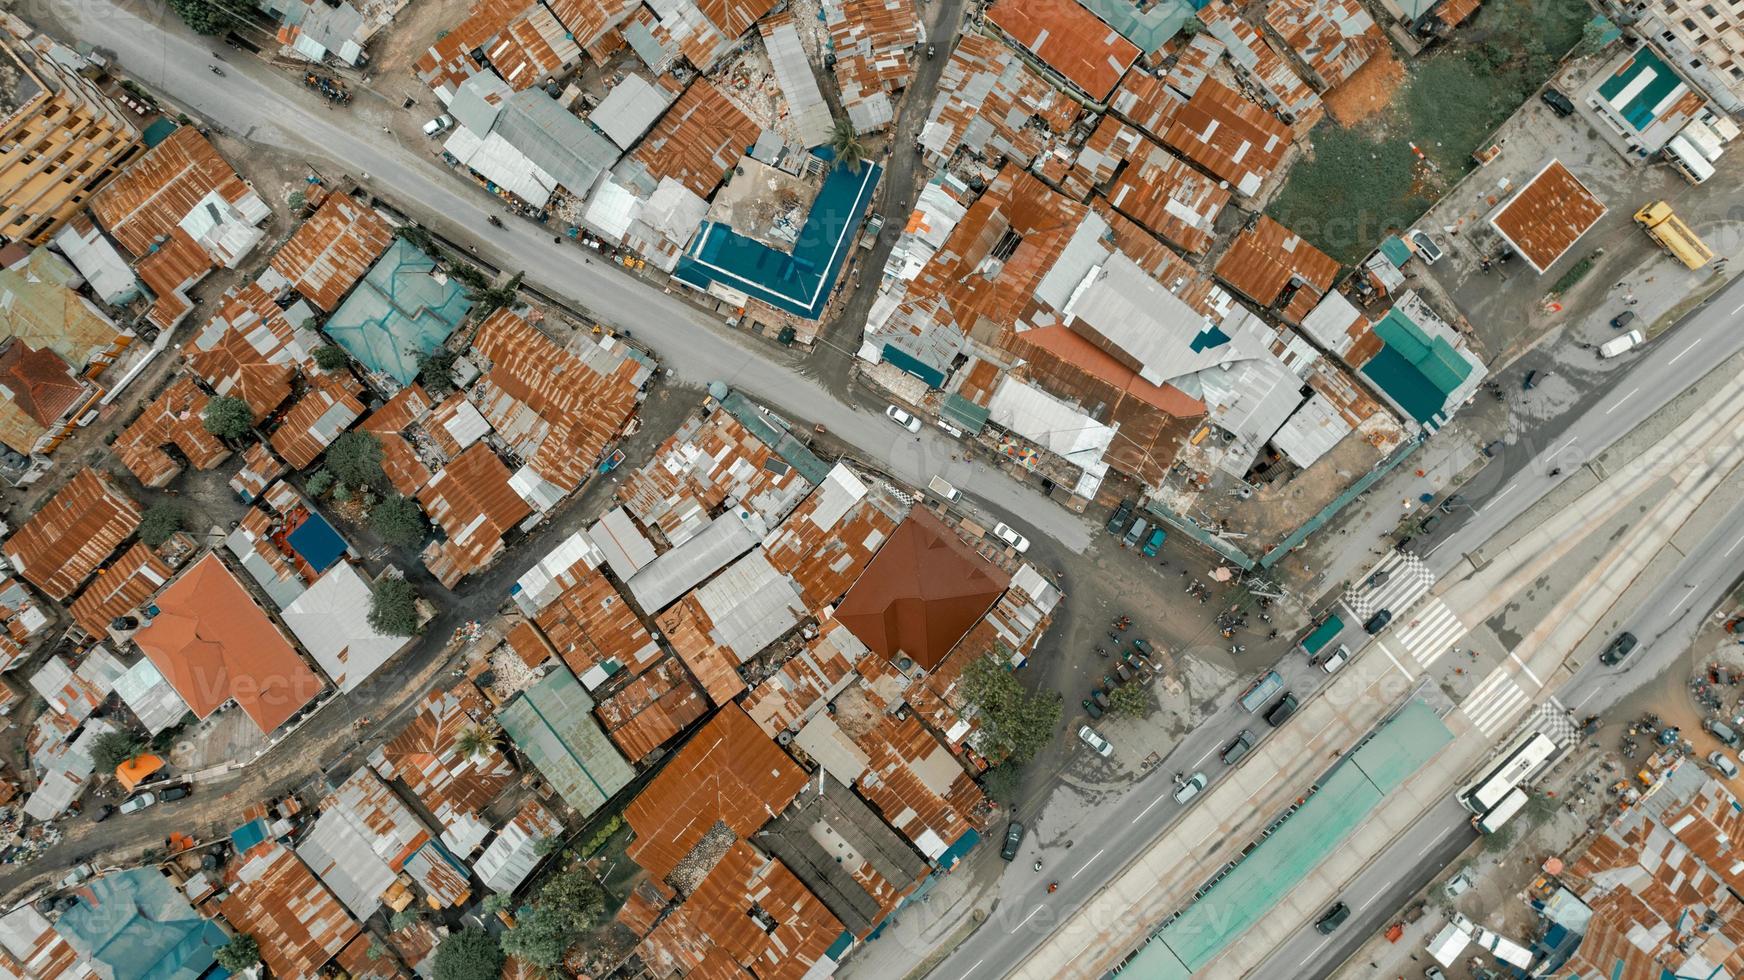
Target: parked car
[(1097, 743), (902, 418), (1494, 448), (1721, 731), (1378, 621), (1090, 708), (1724, 763), (1190, 787), (1003, 532), (1620, 648), (1623, 344), (1427, 250), (943, 488), (1622, 319), (1013, 840), (1117, 523), (1338, 659), (1333, 918), (138, 803), (1434, 973), (1281, 712), (177, 792), (102, 813), (440, 124), (1154, 542), (1557, 102), (1134, 533), (1233, 752)]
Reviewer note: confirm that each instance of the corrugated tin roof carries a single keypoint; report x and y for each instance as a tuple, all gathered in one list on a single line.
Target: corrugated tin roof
[(272, 896), (473, 503), (1268, 257), (1087, 52), (42, 310), (312, 422), (515, 850), (1332, 37), (333, 249), (831, 536), (807, 110), (592, 628), (986, 99), (68, 537), (128, 581), (552, 722), (649, 711), (455, 787), (249, 350), (151, 698), (723, 539), (174, 418), (806, 681), (1259, 64), (699, 139), (1160, 191), (629, 110), (1229, 136), (524, 42), (133, 923), (1547, 215), (331, 619), (365, 837), (699, 468)]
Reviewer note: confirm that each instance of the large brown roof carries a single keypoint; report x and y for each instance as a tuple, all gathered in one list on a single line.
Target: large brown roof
[(175, 418), (1069, 38), (590, 625), (41, 382), (699, 139), (214, 644), (1546, 217), (274, 897), (729, 773), (1267, 257), (472, 501), (150, 198), (333, 249), (71, 535), (922, 592)]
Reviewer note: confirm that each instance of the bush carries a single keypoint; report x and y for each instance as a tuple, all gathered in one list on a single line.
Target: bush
[(568, 904), (355, 460), (1130, 700), (330, 357), (600, 836), (240, 953), (436, 370), (319, 483), (111, 749), (227, 417), (393, 607), (159, 523), (1003, 782), (204, 16), (470, 954), (1017, 723), (418, 236), (399, 521)]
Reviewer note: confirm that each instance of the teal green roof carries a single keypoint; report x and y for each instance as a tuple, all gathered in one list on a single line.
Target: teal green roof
[(552, 722), (1395, 250), (1416, 370), (965, 414), (135, 925), (403, 307), (1341, 802), (1644, 102), (1150, 28), (158, 131), (792, 450)]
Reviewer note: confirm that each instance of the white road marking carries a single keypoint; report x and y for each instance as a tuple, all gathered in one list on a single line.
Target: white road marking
[(1497, 498), (1621, 400), (1516, 658), (1026, 919), (1735, 309), (1691, 347), (1154, 802), (966, 973), (1383, 648), (1087, 864), (1589, 697), (1686, 597), (1565, 445), (1734, 547)]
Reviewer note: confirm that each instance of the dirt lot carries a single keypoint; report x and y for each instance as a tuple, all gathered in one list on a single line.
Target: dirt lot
[(1368, 92)]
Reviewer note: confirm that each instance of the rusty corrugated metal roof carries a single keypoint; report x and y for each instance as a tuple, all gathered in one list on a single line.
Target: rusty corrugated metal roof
[(312, 423), (472, 501), (805, 681), (72, 534), (832, 535), (522, 40), (1160, 191), (1332, 37), (1229, 136), (149, 198), (590, 625), (699, 467), (698, 140), (687, 626), (987, 81), (1145, 101), (333, 249), (259, 469), (455, 787), (650, 710), (174, 418), (1268, 257), (128, 581), (405, 469), (272, 896), (1070, 39), (248, 350), (1548, 215)]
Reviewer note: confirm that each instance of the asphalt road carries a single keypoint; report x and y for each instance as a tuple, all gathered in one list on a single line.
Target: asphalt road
[(264, 106)]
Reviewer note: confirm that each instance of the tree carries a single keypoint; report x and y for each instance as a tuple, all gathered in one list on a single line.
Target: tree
[(319, 483), (393, 607), (297, 200), (569, 904), (111, 749), (1130, 700), (497, 902), (204, 16), (436, 370), (405, 918), (417, 235), (470, 954), (330, 357), (474, 740), (399, 521), (1003, 782), (227, 417), (489, 299), (355, 460), (1017, 722), (845, 141), (240, 953), (470, 276), (159, 523)]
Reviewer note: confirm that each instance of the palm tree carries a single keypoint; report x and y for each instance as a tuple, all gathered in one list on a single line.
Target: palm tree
[(475, 740), (846, 142)]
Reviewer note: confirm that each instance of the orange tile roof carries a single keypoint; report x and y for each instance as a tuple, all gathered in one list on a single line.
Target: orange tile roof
[(473, 503), (72, 534), (728, 773), (1160, 191), (128, 581), (41, 383), (454, 787), (1547, 215), (333, 249), (687, 626), (647, 712), (590, 625), (1070, 39), (214, 644), (272, 896), (1229, 136), (923, 591), (174, 418), (698, 140), (522, 40), (149, 199), (987, 81), (1268, 257), (751, 917), (247, 350), (553, 406), (332, 401)]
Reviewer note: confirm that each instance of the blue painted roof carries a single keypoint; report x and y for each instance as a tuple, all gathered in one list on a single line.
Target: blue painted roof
[(248, 835), (318, 542), (135, 925), (798, 282)]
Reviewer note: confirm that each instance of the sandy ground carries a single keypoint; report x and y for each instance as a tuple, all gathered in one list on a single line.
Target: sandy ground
[(1368, 92)]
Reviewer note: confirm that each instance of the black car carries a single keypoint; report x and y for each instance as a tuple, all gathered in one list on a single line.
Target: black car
[(1378, 621), (1281, 711), (1013, 840), (173, 793), (102, 813), (1333, 918), (1620, 648), (1558, 102), (1117, 523), (1622, 319), (1090, 708)]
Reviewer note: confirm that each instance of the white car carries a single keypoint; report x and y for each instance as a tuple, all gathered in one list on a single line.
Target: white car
[(1723, 762), (1339, 656), (1003, 532), (1426, 247), (138, 803), (1096, 742), (439, 124), (902, 418)]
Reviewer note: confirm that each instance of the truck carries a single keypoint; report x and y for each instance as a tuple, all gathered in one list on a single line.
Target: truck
[(874, 225), (1261, 690), (1322, 634), (1666, 228)]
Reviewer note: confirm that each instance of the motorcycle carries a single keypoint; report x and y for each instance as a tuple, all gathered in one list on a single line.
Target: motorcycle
[(494, 221), (1053, 886), (216, 70)]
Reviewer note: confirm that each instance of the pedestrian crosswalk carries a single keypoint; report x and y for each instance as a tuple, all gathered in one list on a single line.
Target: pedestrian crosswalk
[(1494, 702), (1395, 584), (1554, 720), (1431, 633)]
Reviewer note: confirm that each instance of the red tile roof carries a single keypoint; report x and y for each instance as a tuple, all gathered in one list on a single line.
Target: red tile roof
[(124, 585), (728, 773), (214, 644), (699, 139), (41, 383), (174, 418), (923, 591), (333, 249), (1229, 136), (473, 503), (272, 896), (72, 534), (1267, 258), (1070, 39)]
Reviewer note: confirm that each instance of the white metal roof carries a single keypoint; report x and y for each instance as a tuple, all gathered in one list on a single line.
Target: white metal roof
[(1049, 422), (629, 110), (751, 605), (331, 620), (1312, 432)]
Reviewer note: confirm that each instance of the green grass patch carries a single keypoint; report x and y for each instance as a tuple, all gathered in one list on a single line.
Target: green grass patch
[(1575, 274), (1364, 182)]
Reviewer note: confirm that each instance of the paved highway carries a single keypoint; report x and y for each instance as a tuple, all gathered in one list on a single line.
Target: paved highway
[(264, 106)]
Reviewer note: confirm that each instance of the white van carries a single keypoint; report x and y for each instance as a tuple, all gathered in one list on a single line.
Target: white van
[(439, 124), (1617, 345), (939, 486)]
